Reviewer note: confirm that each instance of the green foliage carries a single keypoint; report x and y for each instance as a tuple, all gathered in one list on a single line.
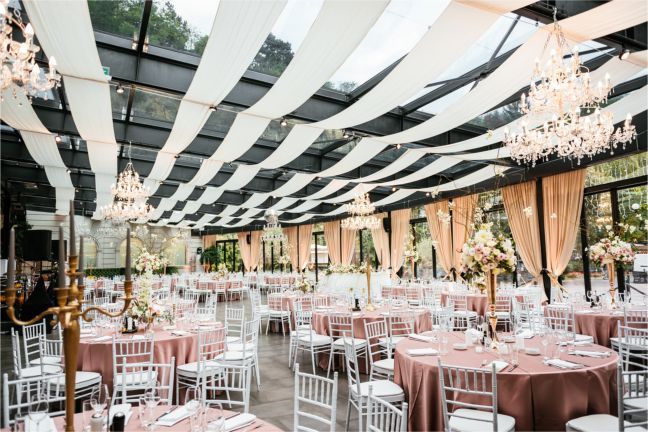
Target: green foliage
[(209, 255), (273, 57), (120, 17), (168, 29), (341, 86), (155, 106)]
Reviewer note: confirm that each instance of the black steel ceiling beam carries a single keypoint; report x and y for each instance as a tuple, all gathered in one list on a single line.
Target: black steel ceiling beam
[(497, 49)]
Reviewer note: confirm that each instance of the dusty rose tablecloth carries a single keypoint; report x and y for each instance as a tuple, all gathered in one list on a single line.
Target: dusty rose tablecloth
[(476, 302), (134, 424), (97, 356), (540, 397), (601, 325), (422, 322)]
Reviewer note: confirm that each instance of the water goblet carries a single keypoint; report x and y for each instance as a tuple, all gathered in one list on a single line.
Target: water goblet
[(38, 409), (214, 419), (192, 405), (99, 399)]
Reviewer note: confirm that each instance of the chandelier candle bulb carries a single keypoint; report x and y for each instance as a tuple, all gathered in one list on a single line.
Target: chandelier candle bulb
[(72, 233), (61, 258)]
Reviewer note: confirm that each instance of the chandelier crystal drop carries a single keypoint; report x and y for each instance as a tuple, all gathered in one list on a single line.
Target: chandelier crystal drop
[(565, 104), (361, 214), (19, 68), (272, 231)]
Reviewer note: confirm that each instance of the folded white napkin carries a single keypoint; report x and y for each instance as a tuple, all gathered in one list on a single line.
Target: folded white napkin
[(598, 354), (168, 327), (45, 425), (138, 337), (123, 408), (564, 364), (180, 333), (526, 334), (102, 339), (414, 352), (87, 335), (499, 365), (419, 337), (576, 343), (239, 421), (173, 417)]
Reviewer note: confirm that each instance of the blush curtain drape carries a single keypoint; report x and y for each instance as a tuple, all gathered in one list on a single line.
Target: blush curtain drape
[(299, 239), (562, 201), (524, 225), (462, 218), (250, 253), (332, 237), (348, 245), (381, 242), (441, 233), (399, 229)]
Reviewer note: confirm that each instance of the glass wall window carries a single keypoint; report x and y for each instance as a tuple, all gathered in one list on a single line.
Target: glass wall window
[(90, 252), (633, 220), (598, 217), (368, 251), (136, 248), (425, 267), (618, 169)]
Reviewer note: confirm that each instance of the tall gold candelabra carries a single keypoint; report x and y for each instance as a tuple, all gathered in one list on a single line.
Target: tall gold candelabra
[(369, 306), (69, 300)]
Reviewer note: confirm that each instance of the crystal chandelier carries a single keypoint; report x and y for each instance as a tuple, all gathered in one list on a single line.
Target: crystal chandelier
[(19, 67), (272, 231), (129, 197), (559, 95), (361, 214)]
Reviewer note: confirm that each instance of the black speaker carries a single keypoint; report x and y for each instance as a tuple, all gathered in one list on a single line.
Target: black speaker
[(199, 251), (37, 245), (387, 224), (55, 244)]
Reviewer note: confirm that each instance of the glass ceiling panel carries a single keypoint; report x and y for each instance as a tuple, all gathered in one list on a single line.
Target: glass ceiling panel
[(486, 46), (221, 120), (436, 106), (422, 92), (286, 36), (154, 106), (119, 102), (118, 17), (181, 25), (395, 33)]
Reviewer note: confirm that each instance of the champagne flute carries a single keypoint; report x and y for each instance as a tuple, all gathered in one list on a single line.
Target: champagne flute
[(99, 398), (214, 418), (38, 409), (192, 404)]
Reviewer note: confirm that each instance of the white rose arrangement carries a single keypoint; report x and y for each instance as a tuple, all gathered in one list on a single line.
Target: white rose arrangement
[(485, 252), (613, 250)]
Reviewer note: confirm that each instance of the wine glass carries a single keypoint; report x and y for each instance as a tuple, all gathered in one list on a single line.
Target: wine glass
[(192, 404), (38, 409), (147, 419), (214, 418), (99, 398), (152, 396)]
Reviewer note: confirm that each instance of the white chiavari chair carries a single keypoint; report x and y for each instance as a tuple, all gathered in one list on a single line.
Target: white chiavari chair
[(312, 391), (277, 312), (462, 316), (211, 344), (234, 320), (383, 416), (236, 290), (469, 389), (25, 371), (246, 351), (341, 328), (132, 371), (359, 391), (633, 316), (304, 339), (380, 353), (21, 393), (413, 295), (631, 403), (231, 387), (259, 309), (561, 317)]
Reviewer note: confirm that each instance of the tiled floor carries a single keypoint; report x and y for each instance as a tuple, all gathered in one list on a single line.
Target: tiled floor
[(274, 402)]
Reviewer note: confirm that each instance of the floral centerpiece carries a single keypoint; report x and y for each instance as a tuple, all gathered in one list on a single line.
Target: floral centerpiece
[(144, 308), (303, 285), (344, 268), (221, 272), (485, 256), (611, 252)]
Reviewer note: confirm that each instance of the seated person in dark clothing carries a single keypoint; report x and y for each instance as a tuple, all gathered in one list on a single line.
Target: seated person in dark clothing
[(37, 302)]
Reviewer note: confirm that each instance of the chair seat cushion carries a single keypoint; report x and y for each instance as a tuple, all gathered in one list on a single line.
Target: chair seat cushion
[(380, 388), (51, 360), (636, 403), (465, 313), (502, 314), (504, 423), (135, 378), (386, 364), (357, 342), (232, 339), (238, 346), (317, 339), (235, 355), (34, 371), (279, 314), (83, 379), (191, 369), (594, 423), (393, 340)]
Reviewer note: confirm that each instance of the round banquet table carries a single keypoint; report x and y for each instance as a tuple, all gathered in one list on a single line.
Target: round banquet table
[(344, 282), (600, 324), (476, 302), (422, 322), (538, 396), (134, 424), (97, 356)]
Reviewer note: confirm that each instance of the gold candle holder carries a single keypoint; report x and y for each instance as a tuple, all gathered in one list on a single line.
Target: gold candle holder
[(370, 307), (491, 288), (612, 289)]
